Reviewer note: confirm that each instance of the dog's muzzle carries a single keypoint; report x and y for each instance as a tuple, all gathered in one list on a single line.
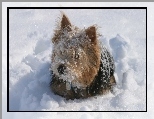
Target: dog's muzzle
[(61, 69)]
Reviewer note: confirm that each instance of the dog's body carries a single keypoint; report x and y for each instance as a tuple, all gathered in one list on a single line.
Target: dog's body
[(80, 66)]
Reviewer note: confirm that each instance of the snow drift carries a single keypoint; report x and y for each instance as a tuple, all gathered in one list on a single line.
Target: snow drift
[(30, 50)]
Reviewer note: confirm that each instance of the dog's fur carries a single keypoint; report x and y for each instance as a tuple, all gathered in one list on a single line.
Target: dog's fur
[(81, 67)]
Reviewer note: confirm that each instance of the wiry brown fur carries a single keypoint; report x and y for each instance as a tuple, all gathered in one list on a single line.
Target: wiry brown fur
[(90, 58), (79, 53)]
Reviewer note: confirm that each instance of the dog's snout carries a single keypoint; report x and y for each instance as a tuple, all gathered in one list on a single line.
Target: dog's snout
[(61, 69)]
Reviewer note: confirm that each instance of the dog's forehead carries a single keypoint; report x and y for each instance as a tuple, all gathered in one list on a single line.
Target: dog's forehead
[(73, 38), (69, 44)]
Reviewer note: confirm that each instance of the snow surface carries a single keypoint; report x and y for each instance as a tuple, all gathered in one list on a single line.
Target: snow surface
[(124, 34), (30, 54)]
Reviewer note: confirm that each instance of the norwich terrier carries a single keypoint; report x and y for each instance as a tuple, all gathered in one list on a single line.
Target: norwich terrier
[(81, 66)]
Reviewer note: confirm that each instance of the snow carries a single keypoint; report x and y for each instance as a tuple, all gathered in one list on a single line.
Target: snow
[(29, 66), (30, 72)]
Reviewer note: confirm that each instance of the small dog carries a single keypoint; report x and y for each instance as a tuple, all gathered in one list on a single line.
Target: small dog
[(81, 67)]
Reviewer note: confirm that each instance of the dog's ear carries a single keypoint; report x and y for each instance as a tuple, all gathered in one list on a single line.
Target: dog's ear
[(91, 33), (65, 23)]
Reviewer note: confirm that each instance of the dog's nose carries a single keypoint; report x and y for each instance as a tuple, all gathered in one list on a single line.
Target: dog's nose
[(61, 69)]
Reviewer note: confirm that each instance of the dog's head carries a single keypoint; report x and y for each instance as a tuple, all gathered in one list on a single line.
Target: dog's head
[(76, 53)]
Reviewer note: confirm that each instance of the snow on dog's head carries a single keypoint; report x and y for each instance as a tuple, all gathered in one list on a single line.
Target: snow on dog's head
[(76, 53)]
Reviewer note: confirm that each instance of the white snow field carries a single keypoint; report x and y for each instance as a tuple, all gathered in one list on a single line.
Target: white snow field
[(30, 48)]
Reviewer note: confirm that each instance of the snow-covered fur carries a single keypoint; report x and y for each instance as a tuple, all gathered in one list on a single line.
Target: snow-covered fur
[(81, 67)]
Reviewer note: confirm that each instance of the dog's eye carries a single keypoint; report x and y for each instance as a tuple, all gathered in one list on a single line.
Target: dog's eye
[(76, 55)]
